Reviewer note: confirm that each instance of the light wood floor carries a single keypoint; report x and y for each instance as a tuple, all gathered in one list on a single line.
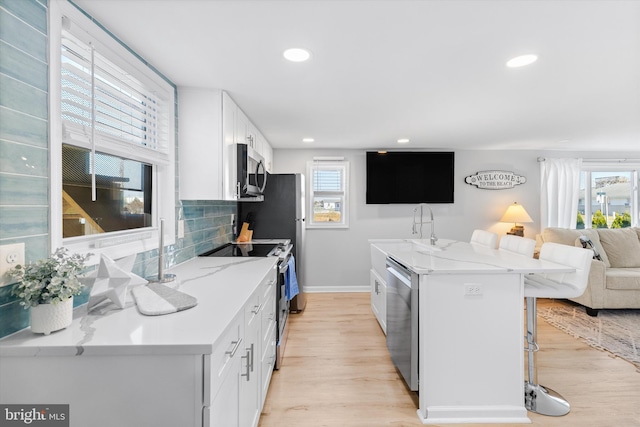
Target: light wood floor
[(337, 372)]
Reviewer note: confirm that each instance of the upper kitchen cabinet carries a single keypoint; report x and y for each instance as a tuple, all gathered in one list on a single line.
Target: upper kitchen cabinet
[(247, 133), (200, 144), (210, 125), (266, 151)]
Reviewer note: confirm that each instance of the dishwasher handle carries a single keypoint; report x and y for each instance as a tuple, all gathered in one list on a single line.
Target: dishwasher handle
[(399, 271)]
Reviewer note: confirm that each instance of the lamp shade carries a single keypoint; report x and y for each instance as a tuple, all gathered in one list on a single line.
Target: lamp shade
[(517, 214)]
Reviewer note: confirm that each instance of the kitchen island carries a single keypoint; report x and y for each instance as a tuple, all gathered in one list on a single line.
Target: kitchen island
[(471, 329), (119, 367)]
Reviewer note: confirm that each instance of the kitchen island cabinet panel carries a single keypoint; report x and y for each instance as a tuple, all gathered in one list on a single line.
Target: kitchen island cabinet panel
[(379, 298)]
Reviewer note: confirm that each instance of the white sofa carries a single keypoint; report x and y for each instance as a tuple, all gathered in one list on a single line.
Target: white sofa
[(614, 282)]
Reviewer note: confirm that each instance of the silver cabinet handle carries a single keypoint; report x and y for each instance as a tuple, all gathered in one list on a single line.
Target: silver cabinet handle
[(247, 374), (252, 356), (232, 352), (256, 309), (249, 356)]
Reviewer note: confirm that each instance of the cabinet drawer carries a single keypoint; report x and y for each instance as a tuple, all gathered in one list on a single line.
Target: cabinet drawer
[(252, 309), (268, 362), (268, 318), (269, 283), (221, 360)]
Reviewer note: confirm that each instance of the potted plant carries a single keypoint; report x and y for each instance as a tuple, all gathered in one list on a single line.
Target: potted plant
[(47, 287)]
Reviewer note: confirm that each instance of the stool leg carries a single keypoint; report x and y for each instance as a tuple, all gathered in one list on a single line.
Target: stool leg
[(537, 398)]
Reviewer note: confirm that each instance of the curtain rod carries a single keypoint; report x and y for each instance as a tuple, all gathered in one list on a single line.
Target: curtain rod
[(543, 159)]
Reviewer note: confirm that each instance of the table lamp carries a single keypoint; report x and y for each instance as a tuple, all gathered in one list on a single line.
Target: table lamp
[(517, 214)]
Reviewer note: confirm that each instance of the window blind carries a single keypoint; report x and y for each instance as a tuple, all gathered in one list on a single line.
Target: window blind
[(327, 179), (104, 106)]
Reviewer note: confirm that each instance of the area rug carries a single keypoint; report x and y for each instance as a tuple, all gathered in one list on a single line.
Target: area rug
[(614, 331)]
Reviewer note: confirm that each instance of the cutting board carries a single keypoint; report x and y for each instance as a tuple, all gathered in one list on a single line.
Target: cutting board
[(156, 299)]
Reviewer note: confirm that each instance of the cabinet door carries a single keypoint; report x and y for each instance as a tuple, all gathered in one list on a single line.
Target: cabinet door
[(250, 402), (229, 154), (225, 407), (200, 147), (379, 299), (242, 129)]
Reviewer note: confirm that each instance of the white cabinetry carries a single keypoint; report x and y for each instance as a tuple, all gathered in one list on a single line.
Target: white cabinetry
[(210, 124), (222, 380), (379, 298), (378, 282), (207, 366), (201, 155), (250, 388), (249, 360)]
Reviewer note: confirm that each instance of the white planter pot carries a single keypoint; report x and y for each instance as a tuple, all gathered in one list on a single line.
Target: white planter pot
[(47, 318)]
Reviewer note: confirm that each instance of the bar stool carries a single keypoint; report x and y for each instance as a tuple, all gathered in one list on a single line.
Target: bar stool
[(484, 238), (518, 245), (538, 398)]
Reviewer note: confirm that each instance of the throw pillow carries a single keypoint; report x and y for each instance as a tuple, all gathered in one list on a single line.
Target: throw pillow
[(622, 247)]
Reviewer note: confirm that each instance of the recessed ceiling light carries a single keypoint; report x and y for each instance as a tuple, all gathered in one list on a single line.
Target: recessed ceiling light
[(521, 61), (308, 139), (296, 54), (403, 140)]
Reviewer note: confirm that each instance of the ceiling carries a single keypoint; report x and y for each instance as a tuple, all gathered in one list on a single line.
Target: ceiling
[(432, 71)]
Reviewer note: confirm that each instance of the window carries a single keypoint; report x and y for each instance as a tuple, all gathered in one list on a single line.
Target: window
[(328, 201), (608, 195), (113, 148)]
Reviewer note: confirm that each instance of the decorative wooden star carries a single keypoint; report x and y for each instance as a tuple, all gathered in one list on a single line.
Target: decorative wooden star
[(111, 280)]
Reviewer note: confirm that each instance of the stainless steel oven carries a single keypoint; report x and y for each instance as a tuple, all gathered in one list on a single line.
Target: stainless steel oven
[(402, 320), (283, 310), (282, 248)]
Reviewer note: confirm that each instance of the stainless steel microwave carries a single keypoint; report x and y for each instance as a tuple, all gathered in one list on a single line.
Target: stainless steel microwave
[(251, 174)]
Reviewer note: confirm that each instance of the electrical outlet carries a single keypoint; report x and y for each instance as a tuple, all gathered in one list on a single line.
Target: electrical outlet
[(472, 289), (10, 256)]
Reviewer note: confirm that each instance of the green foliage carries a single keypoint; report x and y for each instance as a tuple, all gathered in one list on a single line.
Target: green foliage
[(599, 220), (52, 280), (579, 221), (622, 221)]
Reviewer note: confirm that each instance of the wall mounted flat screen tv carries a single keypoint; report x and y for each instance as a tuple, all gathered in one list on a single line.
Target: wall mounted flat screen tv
[(410, 177)]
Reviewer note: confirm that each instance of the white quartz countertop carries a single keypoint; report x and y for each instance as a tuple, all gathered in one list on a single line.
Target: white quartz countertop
[(221, 285), (454, 257)]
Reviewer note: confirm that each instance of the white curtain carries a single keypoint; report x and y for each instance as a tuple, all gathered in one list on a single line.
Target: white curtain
[(559, 192)]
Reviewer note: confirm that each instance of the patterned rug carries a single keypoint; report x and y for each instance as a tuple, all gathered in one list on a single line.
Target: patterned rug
[(614, 331)]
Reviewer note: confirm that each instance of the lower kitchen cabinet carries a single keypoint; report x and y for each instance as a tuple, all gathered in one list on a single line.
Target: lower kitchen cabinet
[(378, 282), (250, 388), (379, 298), (243, 379), (194, 368)]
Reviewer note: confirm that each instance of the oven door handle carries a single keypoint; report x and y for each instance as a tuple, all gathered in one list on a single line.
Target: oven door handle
[(284, 266)]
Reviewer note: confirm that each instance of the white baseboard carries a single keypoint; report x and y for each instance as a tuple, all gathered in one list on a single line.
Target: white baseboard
[(329, 289)]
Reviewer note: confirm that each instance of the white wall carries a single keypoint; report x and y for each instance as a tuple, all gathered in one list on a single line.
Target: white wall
[(338, 260)]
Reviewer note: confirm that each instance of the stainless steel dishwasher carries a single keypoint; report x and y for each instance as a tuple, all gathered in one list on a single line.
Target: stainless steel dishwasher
[(402, 320)]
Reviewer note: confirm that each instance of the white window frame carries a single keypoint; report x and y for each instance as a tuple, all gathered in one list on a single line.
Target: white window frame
[(121, 243), (331, 162), (611, 166)]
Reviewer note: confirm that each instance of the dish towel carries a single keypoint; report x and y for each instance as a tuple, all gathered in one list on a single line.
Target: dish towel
[(290, 280)]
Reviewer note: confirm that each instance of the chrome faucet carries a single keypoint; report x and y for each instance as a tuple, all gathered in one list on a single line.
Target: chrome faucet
[(432, 239)]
